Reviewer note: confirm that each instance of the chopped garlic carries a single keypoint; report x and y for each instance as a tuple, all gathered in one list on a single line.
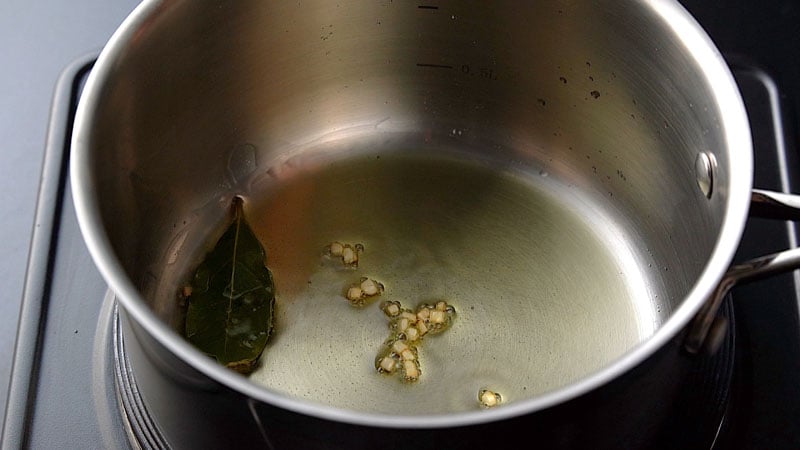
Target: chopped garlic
[(489, 399), (411, 370), (349, 256), (364, 289), (403, 324), (408, 315), (437, 316), (336, 248), (354, 293), (348, 253), (387, 364), (371, 287), (399, 347), (412, 334), (408, 328), (391, 309)]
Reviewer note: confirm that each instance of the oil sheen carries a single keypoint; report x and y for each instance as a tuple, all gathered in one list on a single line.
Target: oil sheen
[(543, 293)]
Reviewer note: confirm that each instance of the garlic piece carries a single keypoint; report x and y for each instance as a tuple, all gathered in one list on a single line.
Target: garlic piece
[(399, 346), (408, 355), (423, 329), (346, 252), (403, 324), (354, 293), (489, 399), (391, 309), (387, 365), (412, 334), (336, 248), (359, 292), (437, 316), (349, 256), (408, 328), (408, 315), (411, 370), (371, 287)]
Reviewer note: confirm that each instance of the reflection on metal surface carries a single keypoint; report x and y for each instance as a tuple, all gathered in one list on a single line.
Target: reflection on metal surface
[(704, 167), (706, 328), (251, 406), (775, 205), (748, 271)]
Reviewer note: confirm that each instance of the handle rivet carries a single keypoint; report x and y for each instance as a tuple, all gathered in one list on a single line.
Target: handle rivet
[(704, 166)]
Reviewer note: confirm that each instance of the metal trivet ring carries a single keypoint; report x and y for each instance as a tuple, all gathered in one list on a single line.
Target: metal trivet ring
[(140, 426)]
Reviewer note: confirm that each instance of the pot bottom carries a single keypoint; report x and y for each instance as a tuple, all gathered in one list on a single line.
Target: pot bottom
[(162, 413), (545, 289)]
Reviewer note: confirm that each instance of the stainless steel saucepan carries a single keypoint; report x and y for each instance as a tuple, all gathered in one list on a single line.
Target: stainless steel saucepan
[(573, 177)]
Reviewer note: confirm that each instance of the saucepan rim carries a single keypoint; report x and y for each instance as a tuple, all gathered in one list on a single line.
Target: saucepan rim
[(736, 130)]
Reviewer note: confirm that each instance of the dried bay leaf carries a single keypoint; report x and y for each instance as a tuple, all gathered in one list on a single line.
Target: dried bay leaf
[(230, 308)]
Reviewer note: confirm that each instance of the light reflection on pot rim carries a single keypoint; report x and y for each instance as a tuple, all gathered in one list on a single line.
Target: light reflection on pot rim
[(737, 134)]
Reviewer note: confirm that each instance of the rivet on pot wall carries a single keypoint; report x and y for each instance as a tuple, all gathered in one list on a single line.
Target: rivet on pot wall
[(704, 166)]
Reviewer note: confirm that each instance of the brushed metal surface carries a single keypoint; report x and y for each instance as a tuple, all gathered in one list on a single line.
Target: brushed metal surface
[(503, 249), (191, 104)]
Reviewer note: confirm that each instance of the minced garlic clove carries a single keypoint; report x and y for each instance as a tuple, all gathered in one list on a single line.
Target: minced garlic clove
[(408, 355), (408, 315), (423, 329), (402, 324), (354, 293), (437, 316), (391, 309), (408, 328), (489, 399), (412, 334), (347, 253), (365, 289), (411, 370), (371, 287), (386, 364), (399, 346), (336, 249)]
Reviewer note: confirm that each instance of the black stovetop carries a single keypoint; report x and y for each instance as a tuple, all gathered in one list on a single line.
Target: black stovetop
[(63, 385), (761, 40)]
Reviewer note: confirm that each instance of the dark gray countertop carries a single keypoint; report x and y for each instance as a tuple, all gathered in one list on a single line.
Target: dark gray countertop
[(37, 41)]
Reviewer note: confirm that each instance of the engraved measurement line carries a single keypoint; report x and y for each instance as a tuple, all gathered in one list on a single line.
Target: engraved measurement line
[(435, 66), (427, 7)]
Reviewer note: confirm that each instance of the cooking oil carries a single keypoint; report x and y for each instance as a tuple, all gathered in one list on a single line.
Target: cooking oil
[(544, 295)]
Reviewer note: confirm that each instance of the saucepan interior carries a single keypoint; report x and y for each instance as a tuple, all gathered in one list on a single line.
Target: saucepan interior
[(532, 164)]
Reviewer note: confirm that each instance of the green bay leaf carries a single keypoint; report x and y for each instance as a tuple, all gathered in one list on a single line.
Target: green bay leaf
[(230, 309)]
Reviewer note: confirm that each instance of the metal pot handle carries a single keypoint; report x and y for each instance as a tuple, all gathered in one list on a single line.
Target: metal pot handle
[(706, 332)]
